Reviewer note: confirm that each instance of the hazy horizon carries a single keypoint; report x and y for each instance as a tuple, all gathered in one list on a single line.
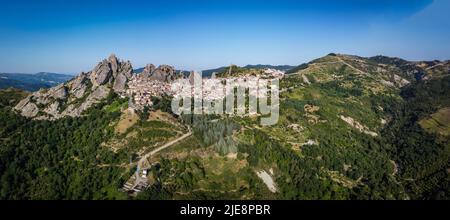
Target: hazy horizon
[(70, 37)]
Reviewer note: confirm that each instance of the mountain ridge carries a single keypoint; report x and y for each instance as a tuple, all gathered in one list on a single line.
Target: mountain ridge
[(112, 75), (32, 82), (349, 128)]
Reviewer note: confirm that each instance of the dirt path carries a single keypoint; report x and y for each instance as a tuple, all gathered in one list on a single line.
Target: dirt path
[(340, 60), (170, 143), (352, 67), (432, 67), (137, 183)]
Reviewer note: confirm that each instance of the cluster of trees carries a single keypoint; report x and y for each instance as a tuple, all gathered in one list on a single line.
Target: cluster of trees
[(304, 177), (58, 159), (217, 132), (297, 68), (62, 159), (177, 176), (336, 89), (163, 103), (422, 157), (359, 158), (10, 97)]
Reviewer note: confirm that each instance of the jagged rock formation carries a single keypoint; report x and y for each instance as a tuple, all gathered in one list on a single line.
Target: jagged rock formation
[(148, 70), (112, 71), (77, 95), (379, 74), (164, 73)]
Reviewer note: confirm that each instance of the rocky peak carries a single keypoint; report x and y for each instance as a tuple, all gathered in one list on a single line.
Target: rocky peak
[(164, 73), (114, 63), (112, 71), (101, 74), (80, 93), (167, 69), (148, 70)]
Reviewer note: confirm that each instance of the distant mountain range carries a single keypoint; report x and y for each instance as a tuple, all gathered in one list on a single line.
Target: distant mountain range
[(32, 82)]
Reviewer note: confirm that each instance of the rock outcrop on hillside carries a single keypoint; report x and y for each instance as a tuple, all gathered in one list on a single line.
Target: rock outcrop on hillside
[(349, 74), (162, 73), (79, 94), (148, 70)]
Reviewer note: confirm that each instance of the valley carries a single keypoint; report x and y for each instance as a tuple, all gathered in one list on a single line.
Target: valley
[(350, 127)]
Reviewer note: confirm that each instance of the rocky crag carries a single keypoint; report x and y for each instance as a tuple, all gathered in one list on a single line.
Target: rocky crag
[(72, 98), (80, 93)]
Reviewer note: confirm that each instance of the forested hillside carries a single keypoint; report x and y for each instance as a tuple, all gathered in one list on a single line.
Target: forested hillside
[(423, 155), (58, 159), (349, 128)]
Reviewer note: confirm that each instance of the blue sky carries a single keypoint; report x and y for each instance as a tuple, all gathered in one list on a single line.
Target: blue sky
[(72, 36)]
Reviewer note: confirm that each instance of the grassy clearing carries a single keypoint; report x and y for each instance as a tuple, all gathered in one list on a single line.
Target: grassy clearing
[(438, 122)]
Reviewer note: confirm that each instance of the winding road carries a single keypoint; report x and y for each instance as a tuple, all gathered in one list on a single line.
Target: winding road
[(168, 144), (137, 183)]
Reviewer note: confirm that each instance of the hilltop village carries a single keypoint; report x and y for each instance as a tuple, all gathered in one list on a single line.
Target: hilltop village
[(165, 81)]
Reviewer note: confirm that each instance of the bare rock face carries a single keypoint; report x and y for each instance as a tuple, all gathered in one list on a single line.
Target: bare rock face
[(52, 109), (58, 92), (148, 70), (112, 71), (127, 69), (164, 73), (30, 110), (101, 74), (22, 103), (96, 96), (114, 64), (26, 107), (121, 76), (400, 81), (120, 83), (41, 97), (79, 85), (79, 94)]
